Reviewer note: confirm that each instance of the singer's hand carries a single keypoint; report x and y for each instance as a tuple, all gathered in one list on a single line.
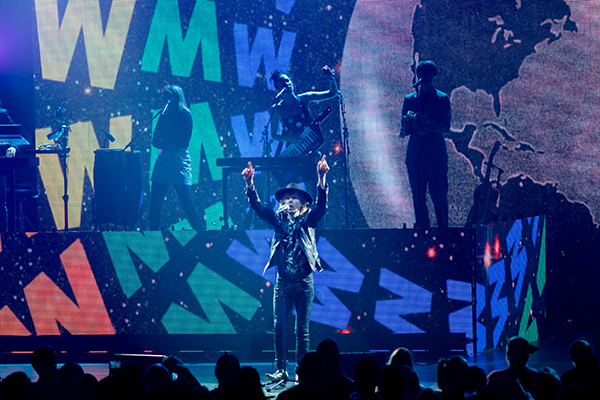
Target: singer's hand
[(411, 115), (327, 71), (11, 152), (423, 118), (283, 208), (322, 166), (248, 174)]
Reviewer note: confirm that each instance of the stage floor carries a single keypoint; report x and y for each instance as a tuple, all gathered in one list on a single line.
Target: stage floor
[(553, 353)]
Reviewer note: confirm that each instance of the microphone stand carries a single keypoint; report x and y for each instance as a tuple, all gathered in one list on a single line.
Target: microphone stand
[(143, 128), (64, 139), (346, 146), (265, 153), (265, 133), (61, 136)]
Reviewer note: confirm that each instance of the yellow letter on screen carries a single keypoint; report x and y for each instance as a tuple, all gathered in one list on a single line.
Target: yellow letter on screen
[(103, 49)]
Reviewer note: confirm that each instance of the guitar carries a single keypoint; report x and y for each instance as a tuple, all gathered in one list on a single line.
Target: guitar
[(414, 122), (486, 195)]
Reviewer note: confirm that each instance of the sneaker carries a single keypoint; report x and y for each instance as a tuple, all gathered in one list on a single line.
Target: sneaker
[(278, 375)]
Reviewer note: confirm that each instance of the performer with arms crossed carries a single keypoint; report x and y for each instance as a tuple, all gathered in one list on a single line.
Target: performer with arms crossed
[(292, 108), (294, 252), (173, 165), (426, 118)]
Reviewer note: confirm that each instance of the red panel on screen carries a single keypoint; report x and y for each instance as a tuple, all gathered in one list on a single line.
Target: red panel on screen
[(10, 324), (48, 304)]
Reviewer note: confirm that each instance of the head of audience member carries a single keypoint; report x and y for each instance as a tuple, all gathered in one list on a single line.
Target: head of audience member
[(546, 385), (179, 371), (392, 384), (402, 357), (330, 353), (157, 375), (86, 387), (16, 386), (517, 346), (247, 385), (226, 368), (366, 375), (43, 361), (172, 360), (450, 372), (66, 375), (580, 348)]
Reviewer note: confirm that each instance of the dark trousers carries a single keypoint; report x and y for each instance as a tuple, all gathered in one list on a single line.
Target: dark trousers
[(435, 175), (299, 295), (184, 192)]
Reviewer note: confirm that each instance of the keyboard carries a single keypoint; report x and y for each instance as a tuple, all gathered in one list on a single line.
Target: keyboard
[(311, 139)]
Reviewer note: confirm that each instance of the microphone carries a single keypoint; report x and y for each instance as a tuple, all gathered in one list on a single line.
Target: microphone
[(281, 92), (165, 108), (60, 109), (417, 83), (282, 209), (54, 134), (108, 135)]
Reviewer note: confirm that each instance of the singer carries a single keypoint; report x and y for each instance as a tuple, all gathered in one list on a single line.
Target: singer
[(294, 252), (173, 165), (292, 108), (426, 119)]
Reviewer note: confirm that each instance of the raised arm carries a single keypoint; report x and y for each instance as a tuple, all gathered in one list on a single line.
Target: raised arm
[(263, 211), (321, 204), (333, 92), (248, 174)]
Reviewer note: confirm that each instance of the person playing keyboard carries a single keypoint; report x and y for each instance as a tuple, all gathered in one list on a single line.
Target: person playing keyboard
[(292, 108)]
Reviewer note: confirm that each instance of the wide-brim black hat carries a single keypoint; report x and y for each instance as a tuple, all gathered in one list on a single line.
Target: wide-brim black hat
[(516, 345), (294, 188)]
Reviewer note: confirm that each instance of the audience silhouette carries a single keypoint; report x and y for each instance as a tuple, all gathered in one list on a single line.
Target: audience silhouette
[(518, 377), (320, 377), (330, 353)]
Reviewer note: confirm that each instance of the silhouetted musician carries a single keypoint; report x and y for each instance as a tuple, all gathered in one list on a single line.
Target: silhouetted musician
[(11, 137)]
